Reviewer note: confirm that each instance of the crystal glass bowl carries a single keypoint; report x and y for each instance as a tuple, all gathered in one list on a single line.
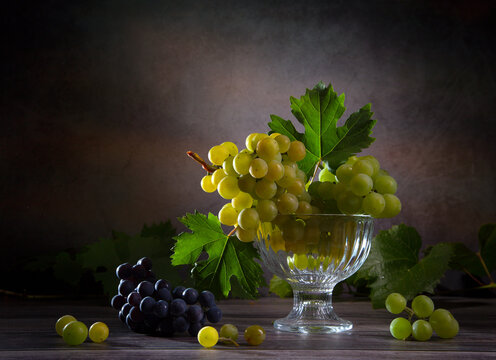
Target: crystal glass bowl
[(313, 253)]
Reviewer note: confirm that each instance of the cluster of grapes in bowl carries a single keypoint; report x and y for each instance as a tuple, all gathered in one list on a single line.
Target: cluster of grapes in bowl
[(152, 306), (264, 183), (429, 320)]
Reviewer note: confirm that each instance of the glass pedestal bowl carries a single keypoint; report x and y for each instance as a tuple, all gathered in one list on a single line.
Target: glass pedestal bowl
[(313, 253)]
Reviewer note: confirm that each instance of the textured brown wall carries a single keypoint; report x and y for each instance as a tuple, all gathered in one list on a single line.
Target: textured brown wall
[(101, 101)]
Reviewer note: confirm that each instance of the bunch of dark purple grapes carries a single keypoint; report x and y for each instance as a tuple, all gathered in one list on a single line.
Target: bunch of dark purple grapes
[(150, 306)]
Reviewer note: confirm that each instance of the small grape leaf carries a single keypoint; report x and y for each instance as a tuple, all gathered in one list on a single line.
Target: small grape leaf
[(227, 257), (393, 265), (280, 287), (487, 244), (319, 111), (463, 258)]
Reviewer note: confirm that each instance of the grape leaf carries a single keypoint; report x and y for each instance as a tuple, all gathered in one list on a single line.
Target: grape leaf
[(280, 287), (227, 257), (393, 266), (487, 244), (319, 111), (463, 258)]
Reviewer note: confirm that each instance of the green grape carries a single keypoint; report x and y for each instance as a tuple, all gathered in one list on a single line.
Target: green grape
[(362, 166), (63, 321), (288, 178), (241, 163), (247, 183), (374, 162), (287, 203), (313, 188), (326, 175), (352, 159), (229, 331), (258, 168), (283, 141), (274, 135), (208, 336), (349, 203), (344, 173), (421, 330), (207, 185), (242, 201), (267, 148), (373, 204), (275, 170), (444, 324), (300, 175), (422, 306), (99, 332), (228, 167), (305, 196), (296, 188), (400, 328), (75, 333), (265, 189), (246, 235), (255, 335), (228, 215), (293, 230), (248, 219), (385, 184), (267, 210), (338, 189), (380, 173), (290, 163), (395, 303), (217, 176), (296, 151), (304, 208), (230, 147), (325, 190), (249, 142), (218, 154), (392, 206), (361, 184), (228, 187)]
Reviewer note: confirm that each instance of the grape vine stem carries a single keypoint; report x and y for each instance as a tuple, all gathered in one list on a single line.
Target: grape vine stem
[(315, 170), (232, 231), (209, 168)]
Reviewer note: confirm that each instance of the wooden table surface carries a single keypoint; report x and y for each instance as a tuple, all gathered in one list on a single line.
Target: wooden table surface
[(27, 332)]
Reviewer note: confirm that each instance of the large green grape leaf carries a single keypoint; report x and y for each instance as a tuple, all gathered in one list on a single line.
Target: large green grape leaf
[(393, 265), (227, 257), (319, 111)]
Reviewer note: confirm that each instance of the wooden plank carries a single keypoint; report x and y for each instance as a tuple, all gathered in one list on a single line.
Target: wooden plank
[(27, 330)]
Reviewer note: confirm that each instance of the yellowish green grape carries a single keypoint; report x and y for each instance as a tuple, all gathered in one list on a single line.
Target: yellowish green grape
[(374, 162), (304, 208), (267, 148), (392, 206), (400, 328), (444, 324), (361, 184), (422, 306), (218, 154), (230, 147), (99, 332), (228, 187), (362, 166), (229, 331), (217, 176), (254, 335), (247, 183), (288, 177), (62, 322), (246, 235), (283, 141), (241, 163), (385, 184), (208, 336), (228, 167), (373, 204), (296, 151), (207, 184), (228, 215), (344, 173), (395, 303), (265, 189), (258, 168), (349, 203), (287, 203), (75, 333), (267, 210), (275, 170), (421, 330), (242, 201), (248, 219)]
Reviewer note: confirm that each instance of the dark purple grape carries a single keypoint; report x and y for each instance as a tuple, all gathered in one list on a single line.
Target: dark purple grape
[(118, 301), (122, 317), (139, 272), (206, 299), (147, 304), (177, 293), (138, 327), (145, 288), (126, 287), (164, 294), (161, 309), (124, 271), (194, 314), (126, 308), (146, 262), (194, 328), (136, 314), (165, 327), (177, 307), (134, 299), (180, 324), (161, 283), (214, 315), (190, 295)]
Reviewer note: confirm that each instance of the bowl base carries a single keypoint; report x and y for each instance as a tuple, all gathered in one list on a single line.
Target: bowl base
[(313, 326)]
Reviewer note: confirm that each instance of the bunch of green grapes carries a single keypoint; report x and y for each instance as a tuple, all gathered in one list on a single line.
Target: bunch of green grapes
[(359, 186), (429, 320), (261, 181)]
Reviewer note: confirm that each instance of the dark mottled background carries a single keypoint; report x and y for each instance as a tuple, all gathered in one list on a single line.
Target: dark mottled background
[(101, 100)]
